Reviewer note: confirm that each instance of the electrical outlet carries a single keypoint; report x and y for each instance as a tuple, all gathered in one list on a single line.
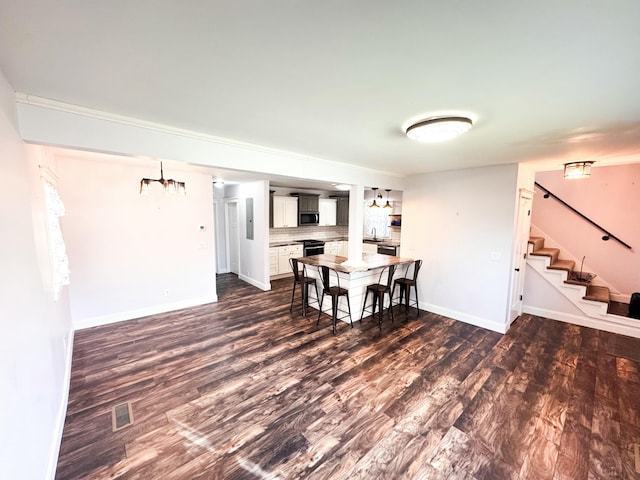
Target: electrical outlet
[(166, 292)]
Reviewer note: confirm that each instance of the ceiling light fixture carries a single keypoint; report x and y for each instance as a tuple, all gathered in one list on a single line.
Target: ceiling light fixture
[(577, 170), (439, 129), (387, 205), (342, 186), (170, 186), (374, 204)]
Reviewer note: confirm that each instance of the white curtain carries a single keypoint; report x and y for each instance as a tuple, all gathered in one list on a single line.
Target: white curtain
[(376, 220), (59, 260)]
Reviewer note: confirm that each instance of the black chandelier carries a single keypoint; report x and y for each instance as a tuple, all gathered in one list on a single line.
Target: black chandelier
[(170, 186)]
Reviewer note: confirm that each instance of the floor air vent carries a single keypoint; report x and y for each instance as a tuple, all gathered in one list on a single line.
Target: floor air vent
[(121, 416)]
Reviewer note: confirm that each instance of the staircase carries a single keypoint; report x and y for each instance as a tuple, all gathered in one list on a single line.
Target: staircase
[(592, 300)]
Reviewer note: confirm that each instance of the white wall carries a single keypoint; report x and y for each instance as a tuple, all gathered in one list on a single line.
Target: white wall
[(455, 222), (611, 198), (35, 330), (134, 255), (254, 254)]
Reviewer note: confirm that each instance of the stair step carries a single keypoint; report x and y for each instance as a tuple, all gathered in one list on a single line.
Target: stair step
[(537, 242), (598, 294), (563, 265), (547, 252)]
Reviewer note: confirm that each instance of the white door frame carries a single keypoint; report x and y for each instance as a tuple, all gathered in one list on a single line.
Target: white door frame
[(519, 260), (227, 229)]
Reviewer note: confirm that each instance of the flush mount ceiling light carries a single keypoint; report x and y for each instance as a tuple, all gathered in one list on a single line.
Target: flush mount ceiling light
[(438, 129), (170, 186), (342, 186), (577, 169)]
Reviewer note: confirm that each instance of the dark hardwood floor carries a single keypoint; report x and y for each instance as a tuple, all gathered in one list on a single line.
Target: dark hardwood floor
[(242, 389)]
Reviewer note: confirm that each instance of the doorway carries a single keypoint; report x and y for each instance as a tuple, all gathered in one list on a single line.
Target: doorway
[(519, 261), (232, 235)]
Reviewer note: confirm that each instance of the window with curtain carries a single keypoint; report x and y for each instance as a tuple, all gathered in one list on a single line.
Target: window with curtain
[(378, 219), (58, 251)]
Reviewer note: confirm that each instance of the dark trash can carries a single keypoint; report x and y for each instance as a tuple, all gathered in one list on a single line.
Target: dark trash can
[(634, 305)]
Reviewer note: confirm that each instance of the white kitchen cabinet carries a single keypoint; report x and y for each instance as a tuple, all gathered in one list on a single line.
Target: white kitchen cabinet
[(284, 254), (369, 248), (273, 261), (344, 249), (328, 211), (285, 212), (332, 247)]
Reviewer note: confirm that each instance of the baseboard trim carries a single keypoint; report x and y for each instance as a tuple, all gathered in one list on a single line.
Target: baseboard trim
[(262, 286), (62, 410), (465, 317), (610, 323), (142, 312)]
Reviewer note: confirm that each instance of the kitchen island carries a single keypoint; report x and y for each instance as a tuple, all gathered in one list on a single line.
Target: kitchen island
[(355, 278)]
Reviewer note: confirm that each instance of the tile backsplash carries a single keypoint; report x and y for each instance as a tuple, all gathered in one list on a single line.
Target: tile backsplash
[(303, 233), (317, 233)]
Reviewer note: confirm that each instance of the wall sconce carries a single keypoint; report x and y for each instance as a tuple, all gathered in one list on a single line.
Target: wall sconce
[(577, 169), (387, 205), (170, 186)]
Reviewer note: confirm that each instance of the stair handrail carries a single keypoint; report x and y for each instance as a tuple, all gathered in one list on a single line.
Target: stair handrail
[(607, 234)]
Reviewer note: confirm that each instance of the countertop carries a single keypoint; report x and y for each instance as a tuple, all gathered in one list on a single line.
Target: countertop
[(283, 243), (384, 243), (371, 260)]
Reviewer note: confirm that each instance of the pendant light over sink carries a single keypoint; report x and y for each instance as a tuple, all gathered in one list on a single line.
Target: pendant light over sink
[(375, 196), (387, 205)]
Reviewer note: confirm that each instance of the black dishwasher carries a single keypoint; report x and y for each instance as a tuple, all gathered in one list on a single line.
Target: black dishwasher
[(387, 250)]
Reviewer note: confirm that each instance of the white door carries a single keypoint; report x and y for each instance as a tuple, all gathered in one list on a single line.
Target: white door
[(233, 237), (520, 253)]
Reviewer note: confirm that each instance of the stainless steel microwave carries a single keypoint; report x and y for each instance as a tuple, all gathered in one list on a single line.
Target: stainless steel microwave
[(308, 218)]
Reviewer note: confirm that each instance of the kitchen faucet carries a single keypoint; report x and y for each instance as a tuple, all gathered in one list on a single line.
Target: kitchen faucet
[(375, 236)]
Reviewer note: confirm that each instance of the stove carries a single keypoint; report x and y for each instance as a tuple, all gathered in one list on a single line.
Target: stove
[(312, 247)]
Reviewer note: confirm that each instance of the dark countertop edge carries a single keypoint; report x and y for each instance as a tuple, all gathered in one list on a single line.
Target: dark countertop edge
[(284, 244)]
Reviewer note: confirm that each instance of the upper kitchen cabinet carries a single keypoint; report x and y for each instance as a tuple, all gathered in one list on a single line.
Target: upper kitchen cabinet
[(342, 217), (328, 211), (285, 212), (308, 202)]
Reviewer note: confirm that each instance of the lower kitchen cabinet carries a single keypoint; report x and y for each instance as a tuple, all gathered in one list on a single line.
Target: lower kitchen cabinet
[(332, 247), (284, 254), (273, 261)]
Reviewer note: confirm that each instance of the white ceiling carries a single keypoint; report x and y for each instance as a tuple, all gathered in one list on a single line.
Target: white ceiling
[(547, 81)]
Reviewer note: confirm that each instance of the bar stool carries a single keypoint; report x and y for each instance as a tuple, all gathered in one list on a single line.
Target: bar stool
[(378, 290), (405, 287), (335, 292), (304, 282)]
